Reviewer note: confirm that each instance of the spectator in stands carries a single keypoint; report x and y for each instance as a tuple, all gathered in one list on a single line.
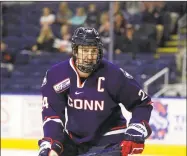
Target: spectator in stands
[(92, 16), (132, 12), (47, 17), (119, 24), (177, 9), (163, 21), (79, 18), (117, 7), (64, 13), (123, 34), (7, 59), (64, 44), (148, 13), (147, 33), (124, 43), (104, 29), (45, 40), (129, 31)]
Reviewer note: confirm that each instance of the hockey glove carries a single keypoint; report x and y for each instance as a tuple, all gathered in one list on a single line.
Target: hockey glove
[(49, 147), (135, 136)]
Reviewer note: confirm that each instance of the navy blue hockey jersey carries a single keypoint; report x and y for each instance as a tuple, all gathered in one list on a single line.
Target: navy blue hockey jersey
[(93, 105)]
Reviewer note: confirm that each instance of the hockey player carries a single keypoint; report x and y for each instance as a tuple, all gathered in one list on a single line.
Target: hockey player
[(91, 89)]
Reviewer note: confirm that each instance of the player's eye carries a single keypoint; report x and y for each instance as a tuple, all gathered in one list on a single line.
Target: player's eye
[(85, 50), (94, 51)]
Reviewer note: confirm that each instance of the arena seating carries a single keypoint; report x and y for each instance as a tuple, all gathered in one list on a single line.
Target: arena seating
[(30, 70), (22, 28)]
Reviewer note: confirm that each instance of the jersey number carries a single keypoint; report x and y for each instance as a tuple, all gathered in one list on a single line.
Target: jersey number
[(142, 94), (45, 103)]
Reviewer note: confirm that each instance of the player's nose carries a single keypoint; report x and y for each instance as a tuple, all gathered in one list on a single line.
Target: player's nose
[(89, 56)]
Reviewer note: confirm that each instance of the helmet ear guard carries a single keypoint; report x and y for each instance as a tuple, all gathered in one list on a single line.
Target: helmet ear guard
[(86, 37)]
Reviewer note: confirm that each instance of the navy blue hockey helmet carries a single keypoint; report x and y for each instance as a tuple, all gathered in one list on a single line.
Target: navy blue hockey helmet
[(86, 37)]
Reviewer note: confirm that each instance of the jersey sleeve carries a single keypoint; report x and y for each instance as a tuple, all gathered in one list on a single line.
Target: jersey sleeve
[(132, 96), (53, 113)]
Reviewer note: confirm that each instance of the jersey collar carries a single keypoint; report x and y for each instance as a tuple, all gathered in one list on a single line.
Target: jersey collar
[(79, 84)]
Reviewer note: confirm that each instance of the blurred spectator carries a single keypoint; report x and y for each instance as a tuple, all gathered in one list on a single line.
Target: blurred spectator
[(47, 17), (104, 29), (45, 40), (79, 18), (129, 31), (177, 9), (146, 35), (92, 16), (7, 59), (64, 44), (148, 13), (132, 11), (117, 8), (64, 13), (155, 13), (124, 43), (163, 21), (174, 18), (119, 24), (123, 34)]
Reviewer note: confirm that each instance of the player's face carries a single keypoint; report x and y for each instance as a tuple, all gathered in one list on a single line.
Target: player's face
[(87, 55)]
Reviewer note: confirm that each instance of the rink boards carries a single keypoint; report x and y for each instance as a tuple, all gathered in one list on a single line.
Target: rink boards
[(150, 149), (21, 124), (35, 153)]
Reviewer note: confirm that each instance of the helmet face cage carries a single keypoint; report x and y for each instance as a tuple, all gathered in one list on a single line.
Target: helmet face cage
[(87, 38), (87, 61)]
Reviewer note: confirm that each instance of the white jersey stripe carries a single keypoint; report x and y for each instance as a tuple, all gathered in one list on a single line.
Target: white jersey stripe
[(115, 132), (55, 120), (79, 85)]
